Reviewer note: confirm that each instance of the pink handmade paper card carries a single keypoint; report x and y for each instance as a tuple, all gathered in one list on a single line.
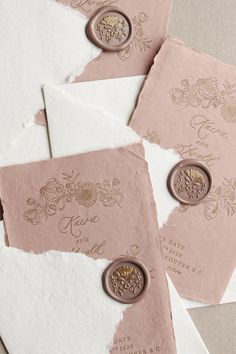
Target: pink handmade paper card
[(149, 18), (188, 104), (100, 204)]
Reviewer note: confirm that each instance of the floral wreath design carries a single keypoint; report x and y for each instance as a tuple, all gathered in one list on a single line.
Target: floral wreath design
[(207, 93), (55, 195), (140, 41), (222, 198)]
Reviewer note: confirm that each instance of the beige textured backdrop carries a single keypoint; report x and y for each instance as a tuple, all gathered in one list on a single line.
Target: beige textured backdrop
[(207, 25), (217, 326), (210, 26), (2, 348)]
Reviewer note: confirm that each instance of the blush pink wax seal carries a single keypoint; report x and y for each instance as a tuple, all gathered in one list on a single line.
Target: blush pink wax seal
[(126, 280), (190, 182), (110, 29)]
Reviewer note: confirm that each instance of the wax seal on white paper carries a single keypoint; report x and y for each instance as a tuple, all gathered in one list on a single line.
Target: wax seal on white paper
[(110, 29), (126, 280), (190, 182)]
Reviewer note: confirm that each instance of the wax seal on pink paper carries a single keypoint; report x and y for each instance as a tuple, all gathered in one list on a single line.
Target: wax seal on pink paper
[(190, 182), (126, 280), (110, 29)]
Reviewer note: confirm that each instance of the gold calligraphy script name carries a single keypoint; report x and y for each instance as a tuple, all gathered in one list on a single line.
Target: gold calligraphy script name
[(56, 194), (87, 5), (74, 224), (192, 151), (96, 249), (204, 126)]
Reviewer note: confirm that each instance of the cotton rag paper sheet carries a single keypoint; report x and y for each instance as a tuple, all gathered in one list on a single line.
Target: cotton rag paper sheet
[(189, 104), (149, 18), (41, 42), (68, 118), (101, 204), (54, 303)]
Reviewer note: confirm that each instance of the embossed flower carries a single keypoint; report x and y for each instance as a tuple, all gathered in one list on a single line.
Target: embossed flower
[(208, 87), (152, 137), (134, 250), (115, 182), (32, 216), (228, 111), (87, 194), (212, 207), (51, 209), (52, 189)]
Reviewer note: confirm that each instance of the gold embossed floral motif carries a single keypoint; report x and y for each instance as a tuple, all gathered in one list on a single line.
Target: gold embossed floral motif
[(207, 93), (126, 279), (192, 182), (56, 194), (112, 27), (222, 198), (140, 42), (152, 137)]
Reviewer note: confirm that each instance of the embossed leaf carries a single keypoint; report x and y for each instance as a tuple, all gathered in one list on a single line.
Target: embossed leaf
[(195, 176), (115, 182), (212, 208), (142, 17), (32, 216), (61, 203), (218, 190), (111, 198), (126, 53), (177, 96), (30, 201), (185, 83)]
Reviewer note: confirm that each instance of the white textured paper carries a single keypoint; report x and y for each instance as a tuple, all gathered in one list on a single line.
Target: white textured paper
[(53, 303), (41, 42), (93, 128), (188, 340)]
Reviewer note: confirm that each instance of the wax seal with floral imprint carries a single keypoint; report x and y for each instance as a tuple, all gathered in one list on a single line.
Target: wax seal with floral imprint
[(126, 280), (110, 29), (189, 182)]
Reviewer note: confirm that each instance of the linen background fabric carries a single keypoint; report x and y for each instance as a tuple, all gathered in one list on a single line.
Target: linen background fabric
[(217, 326), (207, 25)]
